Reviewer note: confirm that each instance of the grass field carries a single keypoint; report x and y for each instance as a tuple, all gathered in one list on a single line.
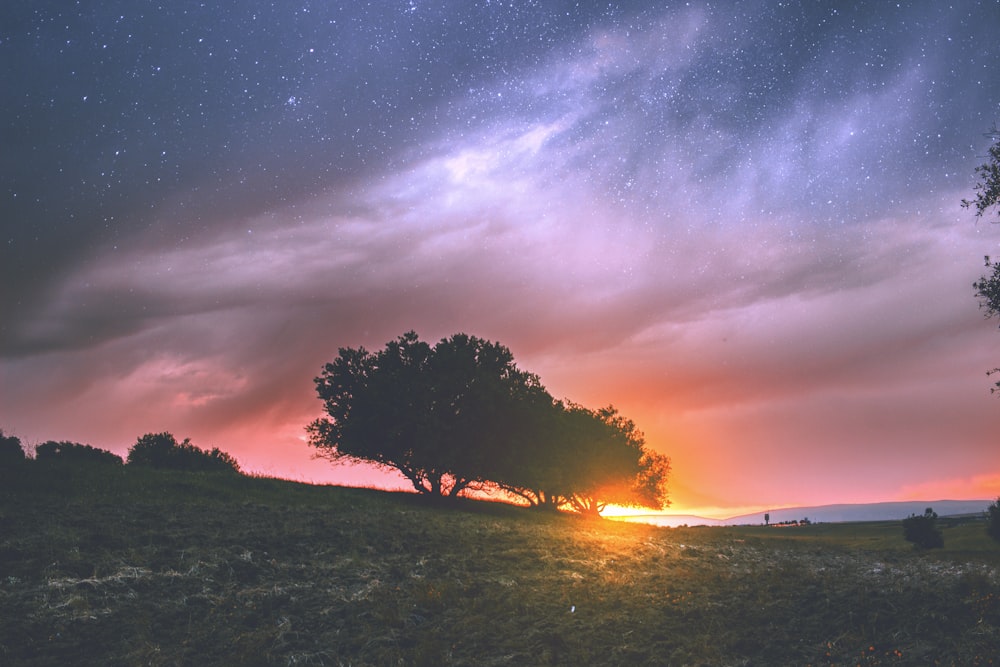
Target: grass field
[(138, 567)]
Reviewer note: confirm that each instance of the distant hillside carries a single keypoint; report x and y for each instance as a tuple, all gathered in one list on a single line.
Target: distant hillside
[(827, 513)]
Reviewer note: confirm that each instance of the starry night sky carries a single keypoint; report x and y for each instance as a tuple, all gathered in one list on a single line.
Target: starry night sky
[(739, 222)]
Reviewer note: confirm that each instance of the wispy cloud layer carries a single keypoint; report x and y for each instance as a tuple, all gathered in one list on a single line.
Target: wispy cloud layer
[(741, 229)]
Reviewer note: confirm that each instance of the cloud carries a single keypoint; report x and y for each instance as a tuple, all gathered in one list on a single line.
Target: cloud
[(741, 230)]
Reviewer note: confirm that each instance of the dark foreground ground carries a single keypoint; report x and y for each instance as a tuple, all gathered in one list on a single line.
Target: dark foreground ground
[(132, 567)]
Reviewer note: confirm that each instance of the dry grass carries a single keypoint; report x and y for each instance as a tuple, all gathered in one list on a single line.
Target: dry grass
[(135, 567)]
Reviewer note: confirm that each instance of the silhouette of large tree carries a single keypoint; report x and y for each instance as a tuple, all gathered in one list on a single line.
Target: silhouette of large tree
[(609, 463), (441, 416), (987, 191), (584, 460), (461, 415)]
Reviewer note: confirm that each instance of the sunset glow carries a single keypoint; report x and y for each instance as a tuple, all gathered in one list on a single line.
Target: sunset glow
[(739, 224)]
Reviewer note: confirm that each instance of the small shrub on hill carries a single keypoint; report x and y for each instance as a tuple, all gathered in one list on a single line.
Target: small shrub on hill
[(11, 451), (161, 450), (74, 452), (922, 530), (993, 520)]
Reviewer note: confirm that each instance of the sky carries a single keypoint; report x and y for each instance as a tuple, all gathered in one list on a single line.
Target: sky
[(738, 222)]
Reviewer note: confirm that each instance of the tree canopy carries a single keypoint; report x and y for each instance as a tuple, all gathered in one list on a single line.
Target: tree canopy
[(461, 415), (987, 191), (74, 452), (161, 450), (987, 188), (988, 290), (436, 414), (587, 459), (10, 449)]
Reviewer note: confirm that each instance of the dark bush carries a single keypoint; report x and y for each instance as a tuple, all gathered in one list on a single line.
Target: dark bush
[(161, 450), (993, 520), (11, 451), (922, 530), (74, 452)]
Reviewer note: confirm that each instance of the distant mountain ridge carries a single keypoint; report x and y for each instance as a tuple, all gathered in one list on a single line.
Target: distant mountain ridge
[(841, 513)]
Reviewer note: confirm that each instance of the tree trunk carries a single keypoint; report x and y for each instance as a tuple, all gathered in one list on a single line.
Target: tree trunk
[(531, 497), (549, 501), (435, 482), (586, 506), (417, 482), (459, 486)]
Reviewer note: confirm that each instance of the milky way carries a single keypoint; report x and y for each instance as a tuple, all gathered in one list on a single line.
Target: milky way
[(738, 222)]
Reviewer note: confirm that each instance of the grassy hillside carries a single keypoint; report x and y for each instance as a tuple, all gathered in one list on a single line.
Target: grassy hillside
[(130, 567)]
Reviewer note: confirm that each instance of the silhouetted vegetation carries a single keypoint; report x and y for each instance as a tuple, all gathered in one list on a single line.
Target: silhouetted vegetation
[(73, 452), (987, 191), (434, 414), (11, 451), (987, 188), (461, 415), (586, 459), (788, 522), (161, 450), (922, 530), (993, 520), (988, 292)]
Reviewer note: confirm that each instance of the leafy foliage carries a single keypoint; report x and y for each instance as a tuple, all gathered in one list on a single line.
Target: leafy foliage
[(923, 531), (609, 463), (988, 290), (586, 459), (74, 452), (993, 520), (988, 293), (988, 197), (461, 415), (436, 415), (11, 451), (161, 450), (987, 189)]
